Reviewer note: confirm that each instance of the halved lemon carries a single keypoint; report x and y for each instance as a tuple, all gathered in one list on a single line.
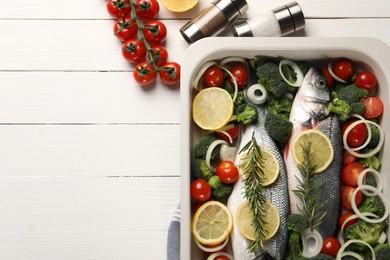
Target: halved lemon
[(244, 217), (321, 148), (270, 166), (212, 223), (212, 108), (179, 6)]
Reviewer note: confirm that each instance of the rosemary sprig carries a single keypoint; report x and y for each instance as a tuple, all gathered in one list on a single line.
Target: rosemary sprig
[(309, 191), (254, 191)]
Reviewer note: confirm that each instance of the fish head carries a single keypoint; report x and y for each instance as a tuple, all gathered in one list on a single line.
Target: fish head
[(314, 87)]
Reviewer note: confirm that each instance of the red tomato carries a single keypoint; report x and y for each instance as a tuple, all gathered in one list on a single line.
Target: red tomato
[(134, 50), (147, 9), (346, 194), (350, 222), (374, 107), (329, 79), (348, 158), (222, 257), (350, 173), (118, 8), (213, 77), (125, 28), (366, 80), (155, 32), (240, 73), (233, 132), (144, 74), (159, 54), (358, 134), (200, 190), (170, 73), (343, 69), (331, 246), (227, 172)]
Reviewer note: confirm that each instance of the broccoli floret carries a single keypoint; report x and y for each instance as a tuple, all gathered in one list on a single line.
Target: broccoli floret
[(269, 77), (214, 182), (280, 107), (248, 115), (352, 94), (239, 103), (382, 251), (368, 232), (372, 204), (222, 192), (297, 223), (358, 108), (199, 169), (341, 108), (278, 127), (370, 180), (201, 147), (375, 136), (322, 256), (371, 162)]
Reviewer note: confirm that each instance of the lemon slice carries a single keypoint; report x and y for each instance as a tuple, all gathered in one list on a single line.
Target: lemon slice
[(270, 166), (321, 148), (244, 218), (212, 108), (179, 6), (212, 223)]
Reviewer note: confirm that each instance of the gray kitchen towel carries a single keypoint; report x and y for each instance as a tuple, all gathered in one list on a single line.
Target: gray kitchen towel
[(173, 242)]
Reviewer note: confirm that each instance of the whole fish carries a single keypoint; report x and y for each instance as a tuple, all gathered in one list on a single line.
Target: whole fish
[(276, 193), (309, 110)]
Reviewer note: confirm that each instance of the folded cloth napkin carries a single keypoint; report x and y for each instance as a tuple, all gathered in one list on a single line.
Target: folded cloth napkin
[(173, 243)]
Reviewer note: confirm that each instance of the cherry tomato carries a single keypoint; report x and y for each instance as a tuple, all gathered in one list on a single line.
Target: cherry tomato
[(200, 190), (374, 107), (331, 246), (227, 172), (147, 9), (348, 158), (134, 50), (329, 79), (159, 54), (125, 28), (346, 197), (350, 173), (358, 134), (350, 222), (366, 80), (144, 74), (170, 73), (155, 32), (240, 73), (213, 77), (233, 132), (118, 8), (343, 69)]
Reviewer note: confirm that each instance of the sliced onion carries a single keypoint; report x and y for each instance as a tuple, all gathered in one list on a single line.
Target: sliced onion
[(210, 151), (214, 248), (353, 254), (340, 253), (374, 192), (227, 60), (382, 238), (253, 97), (214, 255), (376, 175), (330, 69), (369, 134), (371, 153), (228, 153), (227, 127), (201, 71), (296, 69), (234, 82), (226, 134), (309, 249), (368, 214)]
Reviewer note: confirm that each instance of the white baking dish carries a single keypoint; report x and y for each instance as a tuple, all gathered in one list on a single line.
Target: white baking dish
[(369, 53)]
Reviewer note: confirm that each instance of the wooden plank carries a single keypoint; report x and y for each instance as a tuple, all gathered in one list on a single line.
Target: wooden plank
[(89, 45), (92, 9), (89, 150), (84, 97)]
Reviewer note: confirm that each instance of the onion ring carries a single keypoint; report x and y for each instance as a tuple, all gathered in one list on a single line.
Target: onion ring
[(377, 177), (252, 96), (330, 69), (201, 71), (234, 81), (343, 247), (210, 151), (310, 250), (297, 71)]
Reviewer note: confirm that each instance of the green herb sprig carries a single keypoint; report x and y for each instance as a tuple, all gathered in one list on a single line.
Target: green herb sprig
[(309, 191)]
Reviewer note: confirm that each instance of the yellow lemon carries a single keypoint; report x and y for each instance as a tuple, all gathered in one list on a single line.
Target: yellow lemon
[(179, 6)]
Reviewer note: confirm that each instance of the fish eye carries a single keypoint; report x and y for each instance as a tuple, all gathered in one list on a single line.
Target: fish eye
[(321, 83)]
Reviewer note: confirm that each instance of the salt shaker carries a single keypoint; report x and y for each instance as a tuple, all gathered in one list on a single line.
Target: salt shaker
[(281, 21), (213, 19)]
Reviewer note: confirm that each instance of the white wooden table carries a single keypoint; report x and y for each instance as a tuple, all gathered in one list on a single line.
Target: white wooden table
[(89, 162)]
